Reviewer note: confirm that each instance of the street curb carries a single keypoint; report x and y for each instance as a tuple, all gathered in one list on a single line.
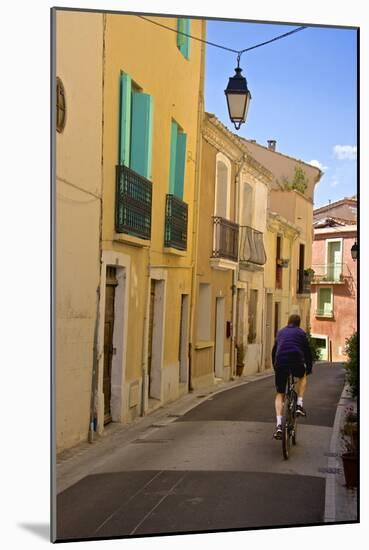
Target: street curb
[(333, 462)]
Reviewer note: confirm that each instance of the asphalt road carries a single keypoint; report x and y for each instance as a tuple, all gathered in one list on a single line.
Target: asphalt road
[(215, 468)]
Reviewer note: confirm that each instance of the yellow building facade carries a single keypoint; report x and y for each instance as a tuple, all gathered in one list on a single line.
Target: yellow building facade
[(153, 99)]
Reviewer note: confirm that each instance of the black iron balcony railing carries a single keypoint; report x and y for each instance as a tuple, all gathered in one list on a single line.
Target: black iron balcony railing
[(251, 246), (225, 243), (133, 203), (329, 273), (176, 220), (303, 285)]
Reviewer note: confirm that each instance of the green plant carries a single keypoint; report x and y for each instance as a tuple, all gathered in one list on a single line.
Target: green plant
[(315, 350), (349, 432), (351, 365), (299, 181)]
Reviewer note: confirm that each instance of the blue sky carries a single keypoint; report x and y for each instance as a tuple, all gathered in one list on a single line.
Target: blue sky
[(304, 94)]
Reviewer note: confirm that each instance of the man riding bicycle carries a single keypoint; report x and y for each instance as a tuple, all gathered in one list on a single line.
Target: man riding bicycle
[(291, 351)]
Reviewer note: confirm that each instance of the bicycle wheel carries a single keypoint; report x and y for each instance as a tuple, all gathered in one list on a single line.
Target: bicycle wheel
[(294, 418), (286, 428)]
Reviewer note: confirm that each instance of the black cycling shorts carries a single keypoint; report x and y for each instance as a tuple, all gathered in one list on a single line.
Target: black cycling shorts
[(281, 374)]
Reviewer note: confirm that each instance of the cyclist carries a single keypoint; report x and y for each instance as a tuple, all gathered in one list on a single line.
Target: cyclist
[(291, 350)]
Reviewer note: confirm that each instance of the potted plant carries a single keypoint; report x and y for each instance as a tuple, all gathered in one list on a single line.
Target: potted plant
[(349, 455), (240, 359), (309, 273)]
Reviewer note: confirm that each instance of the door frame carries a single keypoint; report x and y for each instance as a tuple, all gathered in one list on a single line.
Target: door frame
[(183, 339), (268, 329), (119, 393), (219, 338), (155, 385)]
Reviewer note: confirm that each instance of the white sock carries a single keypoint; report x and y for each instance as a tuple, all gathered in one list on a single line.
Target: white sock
[(279, 420), (300, 401)]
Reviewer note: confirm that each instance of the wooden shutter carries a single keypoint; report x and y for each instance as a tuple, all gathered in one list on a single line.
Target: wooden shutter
[(180, 164), (183, 42), (173, 156), (141, 134), (125, 119)]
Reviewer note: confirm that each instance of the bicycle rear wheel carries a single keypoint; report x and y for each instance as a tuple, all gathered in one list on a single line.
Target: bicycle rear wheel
[(294, 418), (286, 428)]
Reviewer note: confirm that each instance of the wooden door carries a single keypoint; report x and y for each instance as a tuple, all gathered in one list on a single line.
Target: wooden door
[(151, 330), (111, 283)]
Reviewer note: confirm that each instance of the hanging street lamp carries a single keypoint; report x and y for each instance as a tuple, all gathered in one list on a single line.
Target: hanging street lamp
[(355, 251), (238, 97)]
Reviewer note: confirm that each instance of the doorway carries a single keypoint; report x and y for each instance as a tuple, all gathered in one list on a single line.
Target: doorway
[(155, 338), (183, 340), (219, 338), (109, 350), (268, 332)]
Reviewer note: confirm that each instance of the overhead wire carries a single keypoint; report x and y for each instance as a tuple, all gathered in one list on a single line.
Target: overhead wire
[(238, 52)]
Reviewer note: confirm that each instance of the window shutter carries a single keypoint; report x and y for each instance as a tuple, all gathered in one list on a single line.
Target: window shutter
[(180, 37), (180, 164), (186, 51), (125, 119), (141, 134), (173, 156)]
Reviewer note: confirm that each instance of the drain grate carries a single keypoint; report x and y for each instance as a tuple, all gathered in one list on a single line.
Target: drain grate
[(330, 470)]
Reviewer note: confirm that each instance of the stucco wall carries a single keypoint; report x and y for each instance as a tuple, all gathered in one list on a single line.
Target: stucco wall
[(78, 188)]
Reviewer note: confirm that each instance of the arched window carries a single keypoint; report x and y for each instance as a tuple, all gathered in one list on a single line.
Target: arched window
[(222, 187)]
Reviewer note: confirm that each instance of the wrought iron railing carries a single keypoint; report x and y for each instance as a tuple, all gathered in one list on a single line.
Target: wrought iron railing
[(176, 220), (225, 243), (303, 285), (329, 273), (133, 203), (251, 246)]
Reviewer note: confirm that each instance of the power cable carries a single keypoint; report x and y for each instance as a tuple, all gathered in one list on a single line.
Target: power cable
[(238, 52)]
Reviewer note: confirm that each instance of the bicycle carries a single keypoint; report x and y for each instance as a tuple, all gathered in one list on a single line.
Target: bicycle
[(289, 419)]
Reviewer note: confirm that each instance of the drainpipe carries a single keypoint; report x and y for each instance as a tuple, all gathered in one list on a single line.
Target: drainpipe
[(95, 356), (196, 214), (240, 163)]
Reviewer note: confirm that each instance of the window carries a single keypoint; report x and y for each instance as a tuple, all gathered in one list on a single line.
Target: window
[(183, 42), (325, 303), (222, 187), (334, 259), (136, 118), (203, 319), (60, 105), (178, 142), (252, 316)]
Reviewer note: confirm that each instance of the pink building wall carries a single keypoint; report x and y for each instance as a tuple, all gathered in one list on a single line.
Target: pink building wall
[(344, 322)]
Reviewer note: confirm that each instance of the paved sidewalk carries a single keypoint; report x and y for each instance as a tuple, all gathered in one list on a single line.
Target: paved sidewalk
[(340, 502)]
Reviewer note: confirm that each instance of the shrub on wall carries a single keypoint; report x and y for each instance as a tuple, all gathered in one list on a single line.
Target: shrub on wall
[(351, 365)]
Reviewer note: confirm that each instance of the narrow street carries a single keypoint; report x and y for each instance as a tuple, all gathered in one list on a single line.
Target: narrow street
[(216, 467)]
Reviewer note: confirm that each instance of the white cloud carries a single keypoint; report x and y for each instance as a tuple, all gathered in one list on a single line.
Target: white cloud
[(343, 152), (319, 165)]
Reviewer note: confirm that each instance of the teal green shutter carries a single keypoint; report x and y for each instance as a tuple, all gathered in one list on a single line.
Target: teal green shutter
[(141, 134), (186, 51), (180, 37), (325, 301), (183, 42), (125, 119), (180, 164), (173, 155)]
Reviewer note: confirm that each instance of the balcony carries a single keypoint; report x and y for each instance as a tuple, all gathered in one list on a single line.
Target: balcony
[(334, 273), (303, 283), (251, 252), (133, 203), (176, 219), (225, 244)]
